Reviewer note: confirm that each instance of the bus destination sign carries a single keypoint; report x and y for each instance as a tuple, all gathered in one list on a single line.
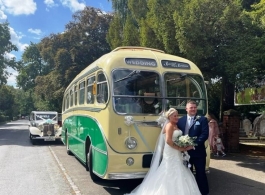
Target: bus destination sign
[(141, 62), (175, 64)]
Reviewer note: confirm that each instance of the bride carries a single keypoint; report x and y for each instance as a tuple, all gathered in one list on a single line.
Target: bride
[(171, 176)]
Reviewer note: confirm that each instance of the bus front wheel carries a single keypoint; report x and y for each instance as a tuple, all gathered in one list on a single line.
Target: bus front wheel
[(89, 165)]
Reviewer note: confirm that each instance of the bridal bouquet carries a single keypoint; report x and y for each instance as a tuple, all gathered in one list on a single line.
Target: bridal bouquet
[(185, 141)]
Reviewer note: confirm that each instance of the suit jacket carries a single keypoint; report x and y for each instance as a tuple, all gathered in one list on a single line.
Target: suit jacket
[(200, 129)]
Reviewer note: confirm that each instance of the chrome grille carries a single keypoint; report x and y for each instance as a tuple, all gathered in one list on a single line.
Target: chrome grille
[(48, 130)]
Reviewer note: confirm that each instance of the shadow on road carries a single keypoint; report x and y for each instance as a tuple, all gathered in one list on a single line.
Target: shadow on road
[(21, 137), (224, 183)]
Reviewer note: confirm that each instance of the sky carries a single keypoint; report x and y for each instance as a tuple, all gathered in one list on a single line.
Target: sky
[(32, 20)]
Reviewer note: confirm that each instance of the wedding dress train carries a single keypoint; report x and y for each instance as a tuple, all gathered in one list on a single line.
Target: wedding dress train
[(172, 177)]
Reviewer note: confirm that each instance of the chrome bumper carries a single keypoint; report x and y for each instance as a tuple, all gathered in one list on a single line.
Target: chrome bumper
[(126, 175)]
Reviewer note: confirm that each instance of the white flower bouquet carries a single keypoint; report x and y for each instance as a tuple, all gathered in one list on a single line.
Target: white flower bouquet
[(185, 141)]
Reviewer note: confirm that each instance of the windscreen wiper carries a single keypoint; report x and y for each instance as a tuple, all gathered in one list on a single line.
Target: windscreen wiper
[(128, 76)]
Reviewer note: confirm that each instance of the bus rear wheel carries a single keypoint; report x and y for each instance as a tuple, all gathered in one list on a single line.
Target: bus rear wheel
[(89, 165)]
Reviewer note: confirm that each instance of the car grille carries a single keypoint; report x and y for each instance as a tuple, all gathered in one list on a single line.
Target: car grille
[(48, 130)]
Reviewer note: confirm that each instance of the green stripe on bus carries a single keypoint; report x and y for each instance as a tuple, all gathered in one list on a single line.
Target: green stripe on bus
[(81, 127)]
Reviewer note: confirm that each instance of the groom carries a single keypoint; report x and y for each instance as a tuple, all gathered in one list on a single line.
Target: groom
[(195, 125)]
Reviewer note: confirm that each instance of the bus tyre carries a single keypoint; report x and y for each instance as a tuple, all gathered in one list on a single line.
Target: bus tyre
[(89, 165)]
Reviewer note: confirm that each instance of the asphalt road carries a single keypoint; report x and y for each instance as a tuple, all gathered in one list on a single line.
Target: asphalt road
[(237, 174), (27, 169), (47, 169)]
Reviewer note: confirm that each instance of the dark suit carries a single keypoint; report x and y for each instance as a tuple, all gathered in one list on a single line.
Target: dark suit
[(200, 129)]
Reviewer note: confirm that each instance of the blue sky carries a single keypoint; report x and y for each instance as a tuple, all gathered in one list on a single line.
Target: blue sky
[(31, 20)]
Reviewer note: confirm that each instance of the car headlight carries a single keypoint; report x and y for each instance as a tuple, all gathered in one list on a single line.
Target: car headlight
[(131, 143), (41, 127), (56, 126)]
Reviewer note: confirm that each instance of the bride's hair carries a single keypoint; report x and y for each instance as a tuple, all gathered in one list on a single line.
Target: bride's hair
[(170, 111)]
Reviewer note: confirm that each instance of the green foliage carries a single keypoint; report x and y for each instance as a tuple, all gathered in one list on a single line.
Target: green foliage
[(6, 47), (32, 66), (214, 89), (6, 101), (49, 66), (221, 37), (145, 34), (160, 19), (114, 35), (131, 33)]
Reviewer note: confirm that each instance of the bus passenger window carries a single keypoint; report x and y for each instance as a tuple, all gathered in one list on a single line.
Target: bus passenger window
[(102, 89), (67, 102), (71, 98), (100, 98), (90, 95), (76, 95), (82, 92)]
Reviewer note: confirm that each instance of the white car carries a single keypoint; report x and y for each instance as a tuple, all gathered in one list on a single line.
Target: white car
[(43, 125)]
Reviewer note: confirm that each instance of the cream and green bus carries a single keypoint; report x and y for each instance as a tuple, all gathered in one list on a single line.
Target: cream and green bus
[(110, 109)]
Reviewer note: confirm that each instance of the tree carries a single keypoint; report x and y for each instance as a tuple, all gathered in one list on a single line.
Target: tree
[(6, 47), (219, 38), (32, 66), (52, 64), (115, 33), (131, 33), (6, 101), (160, 19)]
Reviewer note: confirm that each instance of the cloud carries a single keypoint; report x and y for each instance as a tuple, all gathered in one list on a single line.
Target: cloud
[(15, 39), (2, 15), (12, 78), (9, 55), (16, 7), (50, 4), (74, 5), (35, 31)]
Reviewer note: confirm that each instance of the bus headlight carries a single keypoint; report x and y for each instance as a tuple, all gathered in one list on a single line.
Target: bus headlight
[(131, 143)]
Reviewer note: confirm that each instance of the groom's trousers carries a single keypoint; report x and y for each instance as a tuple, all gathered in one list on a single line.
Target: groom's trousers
[(201, 178)]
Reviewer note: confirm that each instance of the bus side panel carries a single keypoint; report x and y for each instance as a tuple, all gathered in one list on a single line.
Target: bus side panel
[(89, 127), (100, 162)]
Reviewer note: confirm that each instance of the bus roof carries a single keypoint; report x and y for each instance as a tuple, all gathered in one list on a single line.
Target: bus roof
[(134, 48), (118, 55)]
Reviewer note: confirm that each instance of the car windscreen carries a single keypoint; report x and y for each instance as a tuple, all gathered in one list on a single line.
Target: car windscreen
[(45, 116)]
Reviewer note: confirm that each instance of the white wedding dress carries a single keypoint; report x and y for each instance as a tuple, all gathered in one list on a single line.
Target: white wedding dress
[(172, 177)]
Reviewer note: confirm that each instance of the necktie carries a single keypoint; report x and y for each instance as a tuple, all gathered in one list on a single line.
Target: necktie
[(191, 121)]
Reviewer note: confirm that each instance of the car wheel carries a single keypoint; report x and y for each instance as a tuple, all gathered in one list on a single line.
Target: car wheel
[(33, 141), (89, 165)]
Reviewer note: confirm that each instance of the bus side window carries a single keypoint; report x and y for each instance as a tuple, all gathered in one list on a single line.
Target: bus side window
[(75, 94), (71, 98), (90, 95), (102, 89), (82, 92)]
